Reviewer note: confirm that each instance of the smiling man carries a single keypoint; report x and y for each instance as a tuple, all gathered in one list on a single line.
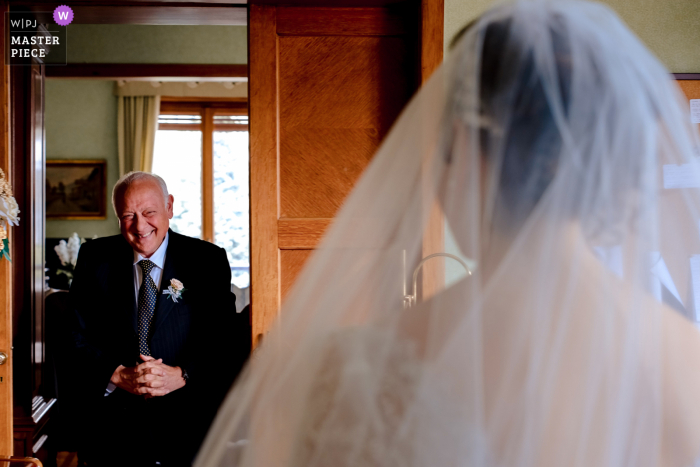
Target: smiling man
[(157, 338)]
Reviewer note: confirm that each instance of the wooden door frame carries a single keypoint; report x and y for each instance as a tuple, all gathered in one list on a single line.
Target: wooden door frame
[(6, 267)]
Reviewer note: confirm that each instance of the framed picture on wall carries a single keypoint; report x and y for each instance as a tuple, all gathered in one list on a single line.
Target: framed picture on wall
[(76, 189)]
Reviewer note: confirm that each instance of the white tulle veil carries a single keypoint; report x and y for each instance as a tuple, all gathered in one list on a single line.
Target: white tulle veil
[(558, 153)]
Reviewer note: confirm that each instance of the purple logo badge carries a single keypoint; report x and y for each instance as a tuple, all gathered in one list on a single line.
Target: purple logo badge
[(63, 15)]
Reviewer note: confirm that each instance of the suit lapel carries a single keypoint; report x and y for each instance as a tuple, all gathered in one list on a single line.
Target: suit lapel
[(125, 280), (165, 304)]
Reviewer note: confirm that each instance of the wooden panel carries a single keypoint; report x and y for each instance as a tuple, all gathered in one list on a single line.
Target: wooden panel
[(691, 87), (6, 269), (317, 115), (136, 71), (292, 262), (262, 93), (339, 22), (301, 233), (432, 36), (338, 99)]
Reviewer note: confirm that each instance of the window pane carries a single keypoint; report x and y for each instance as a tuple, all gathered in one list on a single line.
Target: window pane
[(231, 214), (177, 158)]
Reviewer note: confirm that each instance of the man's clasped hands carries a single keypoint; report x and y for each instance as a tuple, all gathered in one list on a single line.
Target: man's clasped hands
[(152, 378)]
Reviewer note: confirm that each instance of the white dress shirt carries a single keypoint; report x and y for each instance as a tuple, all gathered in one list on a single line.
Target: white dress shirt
[(158, 259)]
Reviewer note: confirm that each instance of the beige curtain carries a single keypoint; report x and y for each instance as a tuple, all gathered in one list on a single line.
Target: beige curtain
[(137, 120)]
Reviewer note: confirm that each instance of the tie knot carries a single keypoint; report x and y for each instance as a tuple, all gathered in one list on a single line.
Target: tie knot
[(146, 266)]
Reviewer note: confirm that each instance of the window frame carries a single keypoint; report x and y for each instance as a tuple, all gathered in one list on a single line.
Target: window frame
[(207, 108)]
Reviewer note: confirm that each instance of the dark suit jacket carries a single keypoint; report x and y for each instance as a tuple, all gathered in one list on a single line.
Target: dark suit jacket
[(201, 333)]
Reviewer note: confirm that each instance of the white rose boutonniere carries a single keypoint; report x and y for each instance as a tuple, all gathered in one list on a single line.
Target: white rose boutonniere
[(9, 210), (175, 290)]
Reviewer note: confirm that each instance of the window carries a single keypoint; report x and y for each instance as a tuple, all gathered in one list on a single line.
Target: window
[(201, 151)]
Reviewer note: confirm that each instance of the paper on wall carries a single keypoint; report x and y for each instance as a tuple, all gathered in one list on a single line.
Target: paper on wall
[(682, 176), (695, 110)]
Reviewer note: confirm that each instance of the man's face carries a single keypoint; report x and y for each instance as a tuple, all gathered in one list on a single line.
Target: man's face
[(144, 216)]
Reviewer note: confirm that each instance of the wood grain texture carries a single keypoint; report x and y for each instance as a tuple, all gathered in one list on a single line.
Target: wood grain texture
[(338, 98), (326, 84), (339, 22), (262, 93), (300, 234), (291, 264), (136, 71), (432, 36), (6, 269)]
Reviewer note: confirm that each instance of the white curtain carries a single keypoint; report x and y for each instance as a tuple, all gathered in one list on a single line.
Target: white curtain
[(137, 121)]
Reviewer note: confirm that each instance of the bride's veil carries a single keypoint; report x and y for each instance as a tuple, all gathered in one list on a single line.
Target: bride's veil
[(554, 157)]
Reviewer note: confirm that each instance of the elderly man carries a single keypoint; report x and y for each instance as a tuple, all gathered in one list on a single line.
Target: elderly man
[(157, 339)]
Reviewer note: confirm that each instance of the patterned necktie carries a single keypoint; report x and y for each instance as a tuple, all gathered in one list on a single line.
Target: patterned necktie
[(147, 304)]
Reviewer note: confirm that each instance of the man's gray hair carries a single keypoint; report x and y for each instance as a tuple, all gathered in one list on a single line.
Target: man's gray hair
[(131, 177)]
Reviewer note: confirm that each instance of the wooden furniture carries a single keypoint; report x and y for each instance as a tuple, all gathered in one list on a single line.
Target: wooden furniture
[(326, 84), (20, 462)]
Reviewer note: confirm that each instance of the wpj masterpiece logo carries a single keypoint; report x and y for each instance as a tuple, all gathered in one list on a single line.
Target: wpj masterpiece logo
[(37, 37)]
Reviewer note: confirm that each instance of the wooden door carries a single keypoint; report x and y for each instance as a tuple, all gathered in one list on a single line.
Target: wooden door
[(325, 86), (6, 268)]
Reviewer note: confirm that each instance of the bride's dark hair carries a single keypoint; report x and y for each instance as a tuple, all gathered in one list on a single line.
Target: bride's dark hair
[(516, 114)]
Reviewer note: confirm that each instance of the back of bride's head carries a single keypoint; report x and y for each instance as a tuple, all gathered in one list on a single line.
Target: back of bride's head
[(563, 94)]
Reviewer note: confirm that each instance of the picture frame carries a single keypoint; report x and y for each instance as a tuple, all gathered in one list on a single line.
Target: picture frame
[(76, 189)]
